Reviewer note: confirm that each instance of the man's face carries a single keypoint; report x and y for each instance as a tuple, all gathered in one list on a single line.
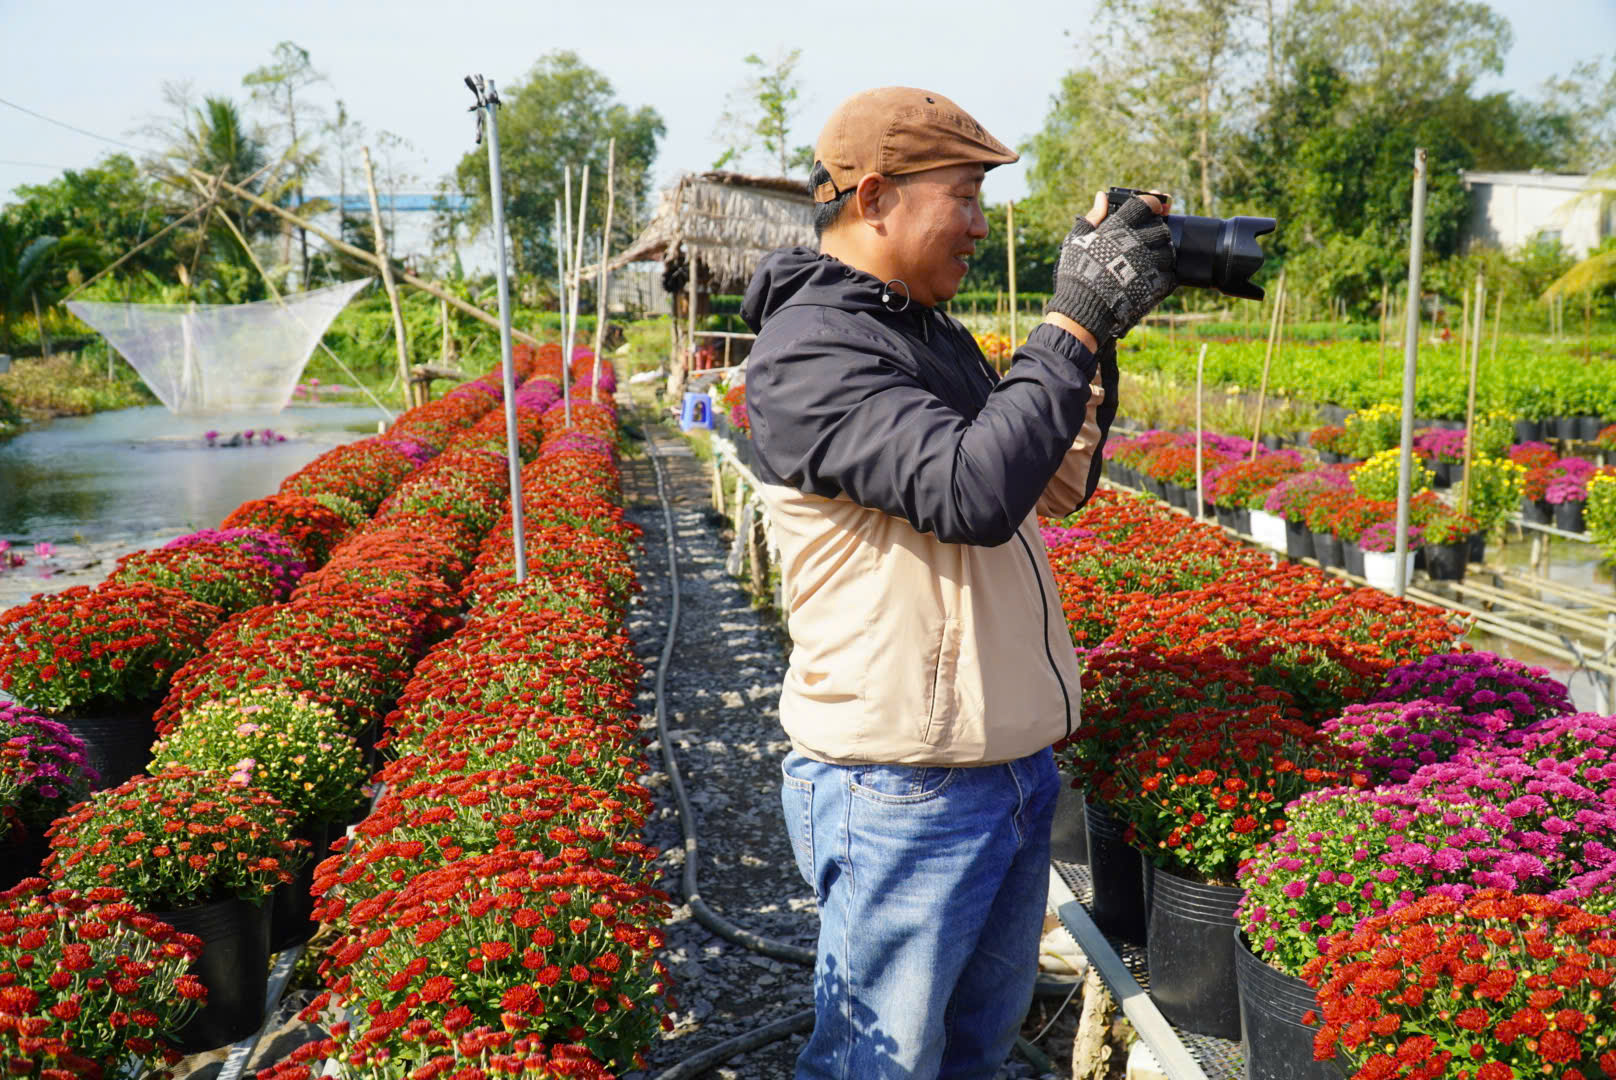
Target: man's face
[(934, 228)]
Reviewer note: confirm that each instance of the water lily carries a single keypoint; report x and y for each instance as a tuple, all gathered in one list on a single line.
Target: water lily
[(44, 549), (210, 436), (248, 434)]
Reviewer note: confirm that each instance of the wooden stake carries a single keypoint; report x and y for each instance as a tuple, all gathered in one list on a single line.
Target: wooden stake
[(1010, 257), (600, 279), (1498, 318), (1587, 326), (1464, 330), (1274, 328), (1470, 393), (1380, 372), (39, 321), (387, 277)]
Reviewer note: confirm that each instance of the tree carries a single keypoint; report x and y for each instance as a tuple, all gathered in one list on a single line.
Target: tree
[(24, 263), (1582, 107), (560, 115), (278, 86), (760, 112), (348, 134), (111, 203)]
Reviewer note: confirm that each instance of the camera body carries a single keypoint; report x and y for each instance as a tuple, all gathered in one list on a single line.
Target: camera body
[(1212, 253)]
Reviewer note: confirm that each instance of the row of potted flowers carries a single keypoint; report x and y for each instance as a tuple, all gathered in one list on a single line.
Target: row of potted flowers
[(260, 756), (1326, 827), (494, 910)]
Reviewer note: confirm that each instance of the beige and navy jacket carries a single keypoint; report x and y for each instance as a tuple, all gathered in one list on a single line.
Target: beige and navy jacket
[(903, 479)]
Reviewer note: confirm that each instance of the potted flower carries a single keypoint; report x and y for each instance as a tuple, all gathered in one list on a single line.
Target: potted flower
[(202, 854), (1601, 512), (1392, 739), (1493, 492), (43, 771), (1320, 521), (1479, 683), (61, 954), (1489, 974), (290, 747), (214, 574), (1447, 536), (558, 947), (271, 552), (1374, 429), (1377, 478), (1378, 543), (364, 472), (99, 660), (1444, 450), (1245, 486), (1330, 441), (1198, 796), (311, 528), (1291, 500)]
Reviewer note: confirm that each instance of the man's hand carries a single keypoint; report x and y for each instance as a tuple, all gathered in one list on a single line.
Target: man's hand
[(1112, 270)]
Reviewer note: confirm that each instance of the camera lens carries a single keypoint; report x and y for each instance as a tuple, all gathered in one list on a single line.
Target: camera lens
[(1219, 253)]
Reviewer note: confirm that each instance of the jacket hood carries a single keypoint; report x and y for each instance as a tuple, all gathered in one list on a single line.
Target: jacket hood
[(799, 276)]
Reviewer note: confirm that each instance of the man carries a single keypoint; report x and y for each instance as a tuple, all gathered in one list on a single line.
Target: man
[(931, 668)]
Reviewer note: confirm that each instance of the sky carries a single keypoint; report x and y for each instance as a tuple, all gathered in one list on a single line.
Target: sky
[(101, 65)]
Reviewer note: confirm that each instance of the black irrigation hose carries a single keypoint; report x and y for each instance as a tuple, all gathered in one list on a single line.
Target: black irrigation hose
[(687, 817), (797, 1022)]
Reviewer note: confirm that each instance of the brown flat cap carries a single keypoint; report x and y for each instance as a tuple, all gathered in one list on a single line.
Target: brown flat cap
[(894, 130)]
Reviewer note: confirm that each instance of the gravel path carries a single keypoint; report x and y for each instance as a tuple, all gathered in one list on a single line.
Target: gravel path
[(722, 697)]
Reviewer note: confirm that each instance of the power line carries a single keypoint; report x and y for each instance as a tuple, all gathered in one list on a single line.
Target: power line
[(70, 127), (34, 164)]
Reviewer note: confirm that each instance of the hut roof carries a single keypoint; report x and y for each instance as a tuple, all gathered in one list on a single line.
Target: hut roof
[(729, 220)]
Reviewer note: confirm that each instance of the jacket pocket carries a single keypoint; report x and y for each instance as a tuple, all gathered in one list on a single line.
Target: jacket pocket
[(944, 705)]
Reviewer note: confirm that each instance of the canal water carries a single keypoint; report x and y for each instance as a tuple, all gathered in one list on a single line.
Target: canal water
[(145, 470)]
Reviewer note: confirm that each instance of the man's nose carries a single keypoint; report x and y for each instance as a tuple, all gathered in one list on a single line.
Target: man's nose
[(979, 224)]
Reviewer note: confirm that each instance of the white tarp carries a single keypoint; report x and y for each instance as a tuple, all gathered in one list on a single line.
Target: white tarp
[(220, 357)]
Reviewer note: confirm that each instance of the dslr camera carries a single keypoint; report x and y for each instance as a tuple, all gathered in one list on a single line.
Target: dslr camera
[(1213, 253)]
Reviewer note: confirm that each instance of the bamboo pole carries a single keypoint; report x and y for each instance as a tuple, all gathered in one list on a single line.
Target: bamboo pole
[(1385, 289), (1587, 325), (600, 278), (387, 279), (1010, 257), (1268, 359), (1498, 318), (572, 321), (1464, 329), (361, 255), (39, 321), (1470, 393)]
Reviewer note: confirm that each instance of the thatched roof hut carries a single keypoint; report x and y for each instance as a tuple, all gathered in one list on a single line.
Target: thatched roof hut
[(727, 222)]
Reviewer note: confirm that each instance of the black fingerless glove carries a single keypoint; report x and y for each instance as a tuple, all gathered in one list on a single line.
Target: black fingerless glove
[(1108, 278)]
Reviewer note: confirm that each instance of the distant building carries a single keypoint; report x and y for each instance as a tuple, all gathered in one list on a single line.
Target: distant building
[(1511, 210)]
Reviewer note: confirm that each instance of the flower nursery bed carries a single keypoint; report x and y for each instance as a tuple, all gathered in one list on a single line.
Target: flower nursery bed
[(272, 678), (1290, 776)]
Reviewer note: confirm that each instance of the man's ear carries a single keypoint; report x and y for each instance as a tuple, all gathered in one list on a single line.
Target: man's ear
[(874, 199)]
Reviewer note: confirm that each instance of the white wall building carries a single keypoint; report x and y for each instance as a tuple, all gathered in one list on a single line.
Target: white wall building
[(1512, 209)]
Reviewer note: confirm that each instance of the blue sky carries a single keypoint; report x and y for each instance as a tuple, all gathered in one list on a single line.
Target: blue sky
[(101, 65)]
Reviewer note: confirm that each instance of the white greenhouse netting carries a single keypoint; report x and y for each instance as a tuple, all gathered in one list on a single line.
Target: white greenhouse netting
[(220, 357)]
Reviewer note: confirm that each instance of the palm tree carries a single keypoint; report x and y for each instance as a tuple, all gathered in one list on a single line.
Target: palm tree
[(1597, 271), (24, 262)]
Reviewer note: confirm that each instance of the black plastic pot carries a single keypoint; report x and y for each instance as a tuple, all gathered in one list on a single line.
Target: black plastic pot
[(1154, 486), (1068, 838), (1476, 546), (116, 744), (1446, 562), (1273, 442), (233, 966), (1569, 515), (1565, 427), (1298, 540), (1327, 549), (1119, 884), (1177, 495), (1443, 472), (1242, 521), (1225, 516), (1528, 430), (1352, 557), (1589, 427), (743, 447), (1273, 1039), (291, 920), (1536, 511), (1190, 953)]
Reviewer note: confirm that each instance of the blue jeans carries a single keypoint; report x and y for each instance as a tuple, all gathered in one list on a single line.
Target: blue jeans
[(932, 884)]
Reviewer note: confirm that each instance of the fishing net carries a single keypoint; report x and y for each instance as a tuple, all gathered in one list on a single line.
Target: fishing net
[(220, 357)]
